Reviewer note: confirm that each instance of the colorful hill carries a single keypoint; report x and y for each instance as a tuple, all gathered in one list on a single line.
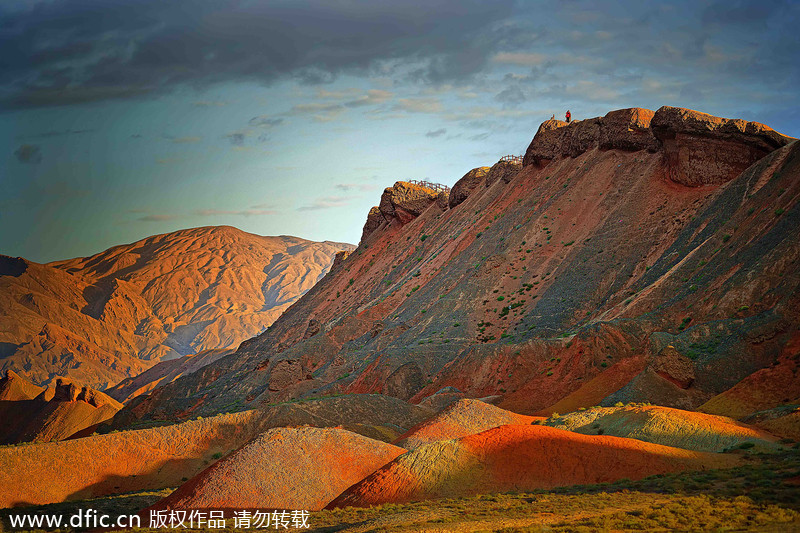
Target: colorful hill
[(663, 425), (297, 468), (160, 457), (462, 418), (518, 458)]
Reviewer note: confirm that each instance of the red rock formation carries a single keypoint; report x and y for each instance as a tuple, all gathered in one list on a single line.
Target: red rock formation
[(518, 458), (405, 201), (469, 182)]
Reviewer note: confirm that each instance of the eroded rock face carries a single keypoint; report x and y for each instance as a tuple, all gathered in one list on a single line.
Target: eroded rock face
[(699, 149), (405, 201), (405, 382), (502, 170), (374, 220), (468, 183), (287, 373), (624, 129), (313, 328), (702, 149), (338, 260), (671, 365), (66, 391)]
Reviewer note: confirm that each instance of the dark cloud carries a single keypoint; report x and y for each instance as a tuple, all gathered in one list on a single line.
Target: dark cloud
[(511, 96), (236, 139), (436, 133), (265, 121), (73, 51), (54, 133), (29, 153)]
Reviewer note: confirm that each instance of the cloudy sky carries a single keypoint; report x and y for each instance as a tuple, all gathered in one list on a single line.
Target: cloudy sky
[(121, 119)]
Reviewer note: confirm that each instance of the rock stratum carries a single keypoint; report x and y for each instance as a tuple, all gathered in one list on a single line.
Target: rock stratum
[(104, 318), (637, 257)]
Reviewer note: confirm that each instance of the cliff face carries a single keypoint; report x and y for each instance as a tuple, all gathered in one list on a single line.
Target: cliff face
[(110, 316), (607, 268)]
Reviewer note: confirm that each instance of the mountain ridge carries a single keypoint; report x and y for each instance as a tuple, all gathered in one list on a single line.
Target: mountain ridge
[(597, 273), (110, 316)]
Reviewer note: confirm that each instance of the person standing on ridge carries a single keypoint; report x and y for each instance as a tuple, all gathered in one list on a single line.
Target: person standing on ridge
[(569, 116)]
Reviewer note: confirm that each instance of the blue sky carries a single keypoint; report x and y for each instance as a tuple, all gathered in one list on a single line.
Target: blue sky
[(123, 119)]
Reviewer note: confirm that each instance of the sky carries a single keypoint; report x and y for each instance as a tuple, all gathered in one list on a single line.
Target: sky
[(121, 119)]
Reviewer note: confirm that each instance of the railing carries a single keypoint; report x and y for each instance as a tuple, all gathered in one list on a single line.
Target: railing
[(512, 159), (438, 187)]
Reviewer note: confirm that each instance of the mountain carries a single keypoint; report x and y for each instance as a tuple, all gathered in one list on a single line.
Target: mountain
[(640, 256), (107, 317)]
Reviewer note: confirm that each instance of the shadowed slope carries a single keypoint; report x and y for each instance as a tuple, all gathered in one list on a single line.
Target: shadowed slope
[(511, 458)]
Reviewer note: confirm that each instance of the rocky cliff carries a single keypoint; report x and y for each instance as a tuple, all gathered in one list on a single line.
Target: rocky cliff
[(640, 256)]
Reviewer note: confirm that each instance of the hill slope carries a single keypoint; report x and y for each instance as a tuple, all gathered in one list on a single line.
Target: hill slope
[(103, 318), (639, 256)]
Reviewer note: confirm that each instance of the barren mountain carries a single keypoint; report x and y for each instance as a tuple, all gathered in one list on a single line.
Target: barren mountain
[(110, 316), (639, 256)]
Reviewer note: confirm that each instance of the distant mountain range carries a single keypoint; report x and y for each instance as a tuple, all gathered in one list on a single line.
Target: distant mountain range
[(111, 316)]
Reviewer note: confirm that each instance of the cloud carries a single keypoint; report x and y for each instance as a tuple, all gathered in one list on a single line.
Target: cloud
[(356, 186), (54, 133), (187, 140), (338, 95), (511, 96), (236, 139), (326, 202), (418, 105), (436, 133), (157, 218), (520, 58), (265, 120), (70, 52), (240, 212), (29, 153), (373, 97), (209, 103)]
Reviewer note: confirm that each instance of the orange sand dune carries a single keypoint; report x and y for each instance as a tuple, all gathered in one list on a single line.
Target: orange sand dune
[(284, 468), (517, 457), (462, 418)]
